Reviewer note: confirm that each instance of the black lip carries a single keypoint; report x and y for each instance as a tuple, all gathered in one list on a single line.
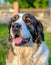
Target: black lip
[(17, 35)]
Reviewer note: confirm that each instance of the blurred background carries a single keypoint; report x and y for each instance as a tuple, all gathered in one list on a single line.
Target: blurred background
[(41, 9)]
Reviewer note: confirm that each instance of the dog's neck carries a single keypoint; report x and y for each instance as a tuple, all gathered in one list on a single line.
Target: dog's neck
[(28, 45), (25, 51)]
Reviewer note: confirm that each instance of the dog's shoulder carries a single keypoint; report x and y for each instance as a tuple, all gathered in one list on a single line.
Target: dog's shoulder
[(44, 55), (44, 47)]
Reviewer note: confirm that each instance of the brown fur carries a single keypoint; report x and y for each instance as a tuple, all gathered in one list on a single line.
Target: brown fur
[(10, 56), (24, 54)]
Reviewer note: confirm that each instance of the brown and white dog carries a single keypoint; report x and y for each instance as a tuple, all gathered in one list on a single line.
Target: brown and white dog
[(27, 41)]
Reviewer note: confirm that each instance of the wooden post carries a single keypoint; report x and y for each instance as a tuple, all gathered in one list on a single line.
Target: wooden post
[(16, 8)]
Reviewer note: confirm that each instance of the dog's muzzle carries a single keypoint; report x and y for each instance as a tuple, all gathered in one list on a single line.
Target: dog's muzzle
[(16, 29), (18, 39)]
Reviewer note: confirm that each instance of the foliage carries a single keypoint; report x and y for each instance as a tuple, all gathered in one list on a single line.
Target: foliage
[(31, 3)]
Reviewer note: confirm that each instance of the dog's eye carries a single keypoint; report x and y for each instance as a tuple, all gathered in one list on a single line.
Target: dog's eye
[(14, 18), (28, 21)]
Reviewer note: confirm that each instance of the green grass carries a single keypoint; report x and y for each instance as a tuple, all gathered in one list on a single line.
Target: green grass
[(48, 43), (48, 40), (3, 51), (3, 48), (3, 31)]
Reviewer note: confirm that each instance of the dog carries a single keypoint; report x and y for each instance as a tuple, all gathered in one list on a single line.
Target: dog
[(27, 45)]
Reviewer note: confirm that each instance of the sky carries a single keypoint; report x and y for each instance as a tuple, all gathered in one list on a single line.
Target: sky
[(49, 3), (2, 2)]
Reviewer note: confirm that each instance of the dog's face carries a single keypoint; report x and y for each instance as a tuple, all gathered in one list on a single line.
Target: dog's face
[(25, 28)]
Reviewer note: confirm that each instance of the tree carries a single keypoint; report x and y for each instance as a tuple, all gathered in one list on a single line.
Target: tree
[(31, 3)]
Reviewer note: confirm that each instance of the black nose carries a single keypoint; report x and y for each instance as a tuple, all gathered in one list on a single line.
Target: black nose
[(16, 26)]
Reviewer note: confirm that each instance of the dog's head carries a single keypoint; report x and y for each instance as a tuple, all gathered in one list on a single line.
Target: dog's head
[(25, 28)]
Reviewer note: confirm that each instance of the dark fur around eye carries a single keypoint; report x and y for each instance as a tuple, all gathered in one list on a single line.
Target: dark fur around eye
[(27, 20), (13, 19)]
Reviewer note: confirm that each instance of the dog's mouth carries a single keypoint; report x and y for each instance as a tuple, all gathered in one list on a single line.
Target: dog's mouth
[(18, 40)]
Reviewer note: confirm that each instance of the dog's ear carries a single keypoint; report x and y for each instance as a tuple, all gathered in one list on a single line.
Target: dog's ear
[(39, 32), (9, 26)]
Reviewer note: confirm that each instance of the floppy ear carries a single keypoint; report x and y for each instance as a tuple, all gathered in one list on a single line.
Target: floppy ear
[(39, 32), (9, 26)]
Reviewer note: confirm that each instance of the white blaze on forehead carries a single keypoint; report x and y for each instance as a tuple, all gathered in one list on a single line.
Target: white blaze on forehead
[(20, 15), (24, 32)]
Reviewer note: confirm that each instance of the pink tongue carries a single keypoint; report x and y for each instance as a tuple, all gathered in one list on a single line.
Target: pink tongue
[(17, 40)]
